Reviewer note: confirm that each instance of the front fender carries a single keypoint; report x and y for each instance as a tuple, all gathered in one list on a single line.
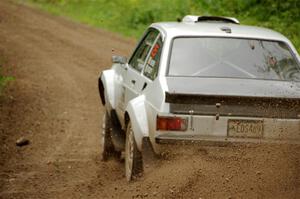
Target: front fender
[(136, 110), (108, 93)]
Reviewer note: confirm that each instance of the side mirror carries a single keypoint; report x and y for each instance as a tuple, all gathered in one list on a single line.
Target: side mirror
[(119, 59)]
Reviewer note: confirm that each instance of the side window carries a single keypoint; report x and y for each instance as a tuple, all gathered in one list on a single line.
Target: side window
[(151, 68), (138, 59)]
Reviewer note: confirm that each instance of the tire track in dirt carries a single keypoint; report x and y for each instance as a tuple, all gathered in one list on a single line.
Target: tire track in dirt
[(55, 103)]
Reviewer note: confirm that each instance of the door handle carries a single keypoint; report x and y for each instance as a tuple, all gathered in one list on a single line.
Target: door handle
[(133, 81), (144, 86)]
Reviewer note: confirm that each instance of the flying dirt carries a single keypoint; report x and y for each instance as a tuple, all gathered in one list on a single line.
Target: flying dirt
[(54, 103)]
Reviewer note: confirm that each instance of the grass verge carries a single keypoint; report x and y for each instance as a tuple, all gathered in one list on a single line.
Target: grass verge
[(131, 17)]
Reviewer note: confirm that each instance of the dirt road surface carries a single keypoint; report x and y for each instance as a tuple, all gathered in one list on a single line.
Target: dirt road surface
[(54, 103)]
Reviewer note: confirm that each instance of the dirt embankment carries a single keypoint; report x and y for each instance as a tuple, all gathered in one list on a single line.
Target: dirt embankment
[(54, 103)]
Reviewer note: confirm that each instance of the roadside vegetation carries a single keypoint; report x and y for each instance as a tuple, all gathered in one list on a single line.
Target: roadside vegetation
[(131, 17), (3, 79)]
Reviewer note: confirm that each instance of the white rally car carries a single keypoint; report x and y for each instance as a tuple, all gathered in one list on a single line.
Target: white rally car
[(205, 79)]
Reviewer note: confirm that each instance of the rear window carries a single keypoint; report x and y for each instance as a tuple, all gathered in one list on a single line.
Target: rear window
[(233, 58)]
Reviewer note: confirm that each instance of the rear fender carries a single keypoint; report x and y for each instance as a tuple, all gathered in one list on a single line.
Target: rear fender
[(138, 116)]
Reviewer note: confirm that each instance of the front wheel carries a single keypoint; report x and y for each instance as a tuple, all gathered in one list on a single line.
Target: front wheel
[(133, 157)]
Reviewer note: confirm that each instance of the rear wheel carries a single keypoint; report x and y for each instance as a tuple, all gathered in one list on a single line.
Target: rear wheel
[(107, 147), (133, 157)]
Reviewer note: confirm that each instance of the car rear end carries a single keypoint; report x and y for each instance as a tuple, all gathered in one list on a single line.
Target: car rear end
[(231, 90)]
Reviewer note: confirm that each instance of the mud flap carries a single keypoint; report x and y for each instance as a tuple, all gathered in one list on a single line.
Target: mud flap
[(117, 134), (149, 156)]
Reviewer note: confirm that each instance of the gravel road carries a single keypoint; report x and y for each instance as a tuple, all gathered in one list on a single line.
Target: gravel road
[(54, 102)]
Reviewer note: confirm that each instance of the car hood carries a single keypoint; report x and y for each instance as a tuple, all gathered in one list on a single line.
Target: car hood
[(233, 87)]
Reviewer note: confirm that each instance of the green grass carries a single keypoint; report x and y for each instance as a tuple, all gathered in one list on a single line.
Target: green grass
[(131, 17), (3, 82), (3, 79)]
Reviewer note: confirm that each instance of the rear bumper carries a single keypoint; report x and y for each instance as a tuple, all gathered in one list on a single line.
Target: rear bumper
[(209, 131), (217, 141)]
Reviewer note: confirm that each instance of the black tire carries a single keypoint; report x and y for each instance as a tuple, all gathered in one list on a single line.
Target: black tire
[(133, 157), (107, 147)]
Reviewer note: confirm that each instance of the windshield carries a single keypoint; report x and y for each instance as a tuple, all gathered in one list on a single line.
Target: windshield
[(234, 58)]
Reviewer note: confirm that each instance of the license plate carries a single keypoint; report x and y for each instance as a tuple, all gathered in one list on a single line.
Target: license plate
[(245, 128)]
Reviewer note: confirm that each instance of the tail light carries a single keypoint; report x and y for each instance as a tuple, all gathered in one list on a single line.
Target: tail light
[(171, 123)]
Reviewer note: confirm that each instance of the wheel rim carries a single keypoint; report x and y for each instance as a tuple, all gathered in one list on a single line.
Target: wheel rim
[(129, 154)]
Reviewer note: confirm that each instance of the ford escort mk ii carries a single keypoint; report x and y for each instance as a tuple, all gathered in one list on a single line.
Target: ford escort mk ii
[(204, 79)]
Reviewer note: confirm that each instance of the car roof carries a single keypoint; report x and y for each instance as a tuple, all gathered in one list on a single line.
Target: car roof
[(179, 29)]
